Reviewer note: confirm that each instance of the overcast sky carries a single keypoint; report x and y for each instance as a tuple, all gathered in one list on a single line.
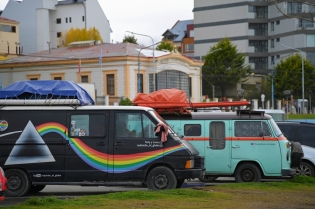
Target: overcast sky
[(146, 17)]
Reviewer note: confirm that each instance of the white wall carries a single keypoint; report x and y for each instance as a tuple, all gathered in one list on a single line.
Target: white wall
[(43, 35), (96, 18), (38, 21)]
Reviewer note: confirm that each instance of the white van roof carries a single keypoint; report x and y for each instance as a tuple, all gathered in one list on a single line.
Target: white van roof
[(88, 107)]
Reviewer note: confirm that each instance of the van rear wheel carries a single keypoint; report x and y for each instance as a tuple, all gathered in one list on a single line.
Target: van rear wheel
[(207, 178), (247, 172), (161, 178), (18, 183)]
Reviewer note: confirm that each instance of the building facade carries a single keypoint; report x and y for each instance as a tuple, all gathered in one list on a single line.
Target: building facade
[(9, 37), (182, 35), (43, 21), (117, 70), (257, 28)]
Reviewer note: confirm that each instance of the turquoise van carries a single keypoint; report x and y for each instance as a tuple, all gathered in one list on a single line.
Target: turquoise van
[(247, 145)]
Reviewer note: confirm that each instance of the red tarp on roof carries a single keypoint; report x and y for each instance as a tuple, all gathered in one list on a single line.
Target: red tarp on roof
[(175, 100)]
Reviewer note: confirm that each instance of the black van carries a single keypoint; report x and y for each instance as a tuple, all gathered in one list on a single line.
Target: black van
[(91, 146)]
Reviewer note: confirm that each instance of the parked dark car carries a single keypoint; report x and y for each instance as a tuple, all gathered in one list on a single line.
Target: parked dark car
[(304, 133)]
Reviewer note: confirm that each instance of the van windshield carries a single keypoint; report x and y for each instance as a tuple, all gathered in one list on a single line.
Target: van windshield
[(275, 128), (161, 120)]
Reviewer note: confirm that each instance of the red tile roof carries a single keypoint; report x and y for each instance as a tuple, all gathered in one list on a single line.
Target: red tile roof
[(8, 20)]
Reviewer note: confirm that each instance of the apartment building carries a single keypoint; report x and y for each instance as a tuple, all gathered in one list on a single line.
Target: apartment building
[(257, 28), (43, 21)]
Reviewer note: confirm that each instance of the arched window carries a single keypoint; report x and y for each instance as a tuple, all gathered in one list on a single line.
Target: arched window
[(168, 79)]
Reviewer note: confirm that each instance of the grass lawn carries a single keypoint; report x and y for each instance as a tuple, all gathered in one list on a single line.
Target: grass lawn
[(295, 193), (301, 116)]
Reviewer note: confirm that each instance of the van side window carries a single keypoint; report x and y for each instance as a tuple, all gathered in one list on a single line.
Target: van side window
[(251, 129), (192, 129), (134, 125), (217, 135), (87, 125)]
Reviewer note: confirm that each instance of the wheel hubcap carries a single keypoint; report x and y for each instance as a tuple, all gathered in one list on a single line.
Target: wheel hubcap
[(161, 181), (247, 175), (14, 183), (303, 171)]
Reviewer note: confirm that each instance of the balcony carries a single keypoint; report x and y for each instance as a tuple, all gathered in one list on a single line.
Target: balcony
[(308, 25), (261, 49), (261, 32)]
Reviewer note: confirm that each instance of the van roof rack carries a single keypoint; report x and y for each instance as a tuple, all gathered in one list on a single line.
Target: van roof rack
[(40, 102), (250, 113)]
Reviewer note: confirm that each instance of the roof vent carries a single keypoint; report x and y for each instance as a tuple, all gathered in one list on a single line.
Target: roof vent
[(81, 44)]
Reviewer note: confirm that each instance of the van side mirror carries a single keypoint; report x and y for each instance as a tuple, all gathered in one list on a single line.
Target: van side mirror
[(160, 132)]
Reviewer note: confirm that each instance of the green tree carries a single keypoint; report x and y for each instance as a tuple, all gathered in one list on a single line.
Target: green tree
[(165, 44), (263, 88), (77, 34), (130, 39), (288, 76), (125, 101), (224, 68)]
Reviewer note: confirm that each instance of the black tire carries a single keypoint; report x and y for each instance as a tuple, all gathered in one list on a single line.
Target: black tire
[(208, 178), (305, 169), (18, 183), (247, 172), (161, 178), (180, 183), (36, 188)]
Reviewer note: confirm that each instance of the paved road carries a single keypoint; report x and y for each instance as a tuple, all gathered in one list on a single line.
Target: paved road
[(77, 191)]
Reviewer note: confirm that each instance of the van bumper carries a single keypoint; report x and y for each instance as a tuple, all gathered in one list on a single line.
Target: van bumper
[(288, 172), (189, 173)]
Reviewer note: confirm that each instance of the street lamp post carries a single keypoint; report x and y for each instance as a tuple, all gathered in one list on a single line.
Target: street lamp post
[(153, 66), (139, 64), (272, 86), (302, 57), (310, 96), (201, 74)]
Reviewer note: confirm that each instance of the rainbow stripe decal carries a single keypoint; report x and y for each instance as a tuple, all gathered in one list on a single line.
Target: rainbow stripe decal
[(105, 162)]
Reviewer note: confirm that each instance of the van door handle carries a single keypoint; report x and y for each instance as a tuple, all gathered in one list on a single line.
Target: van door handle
[(236, 146), (100, 144), (118, 144)]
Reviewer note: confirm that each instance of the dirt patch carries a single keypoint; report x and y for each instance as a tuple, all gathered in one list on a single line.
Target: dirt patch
[(270, 198)]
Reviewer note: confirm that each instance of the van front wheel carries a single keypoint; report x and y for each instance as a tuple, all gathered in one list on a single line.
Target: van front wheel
[(247, 172), (161, 178), (18, 183)]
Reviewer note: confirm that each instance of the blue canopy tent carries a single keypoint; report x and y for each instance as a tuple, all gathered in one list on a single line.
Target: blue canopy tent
[(46, 90)]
